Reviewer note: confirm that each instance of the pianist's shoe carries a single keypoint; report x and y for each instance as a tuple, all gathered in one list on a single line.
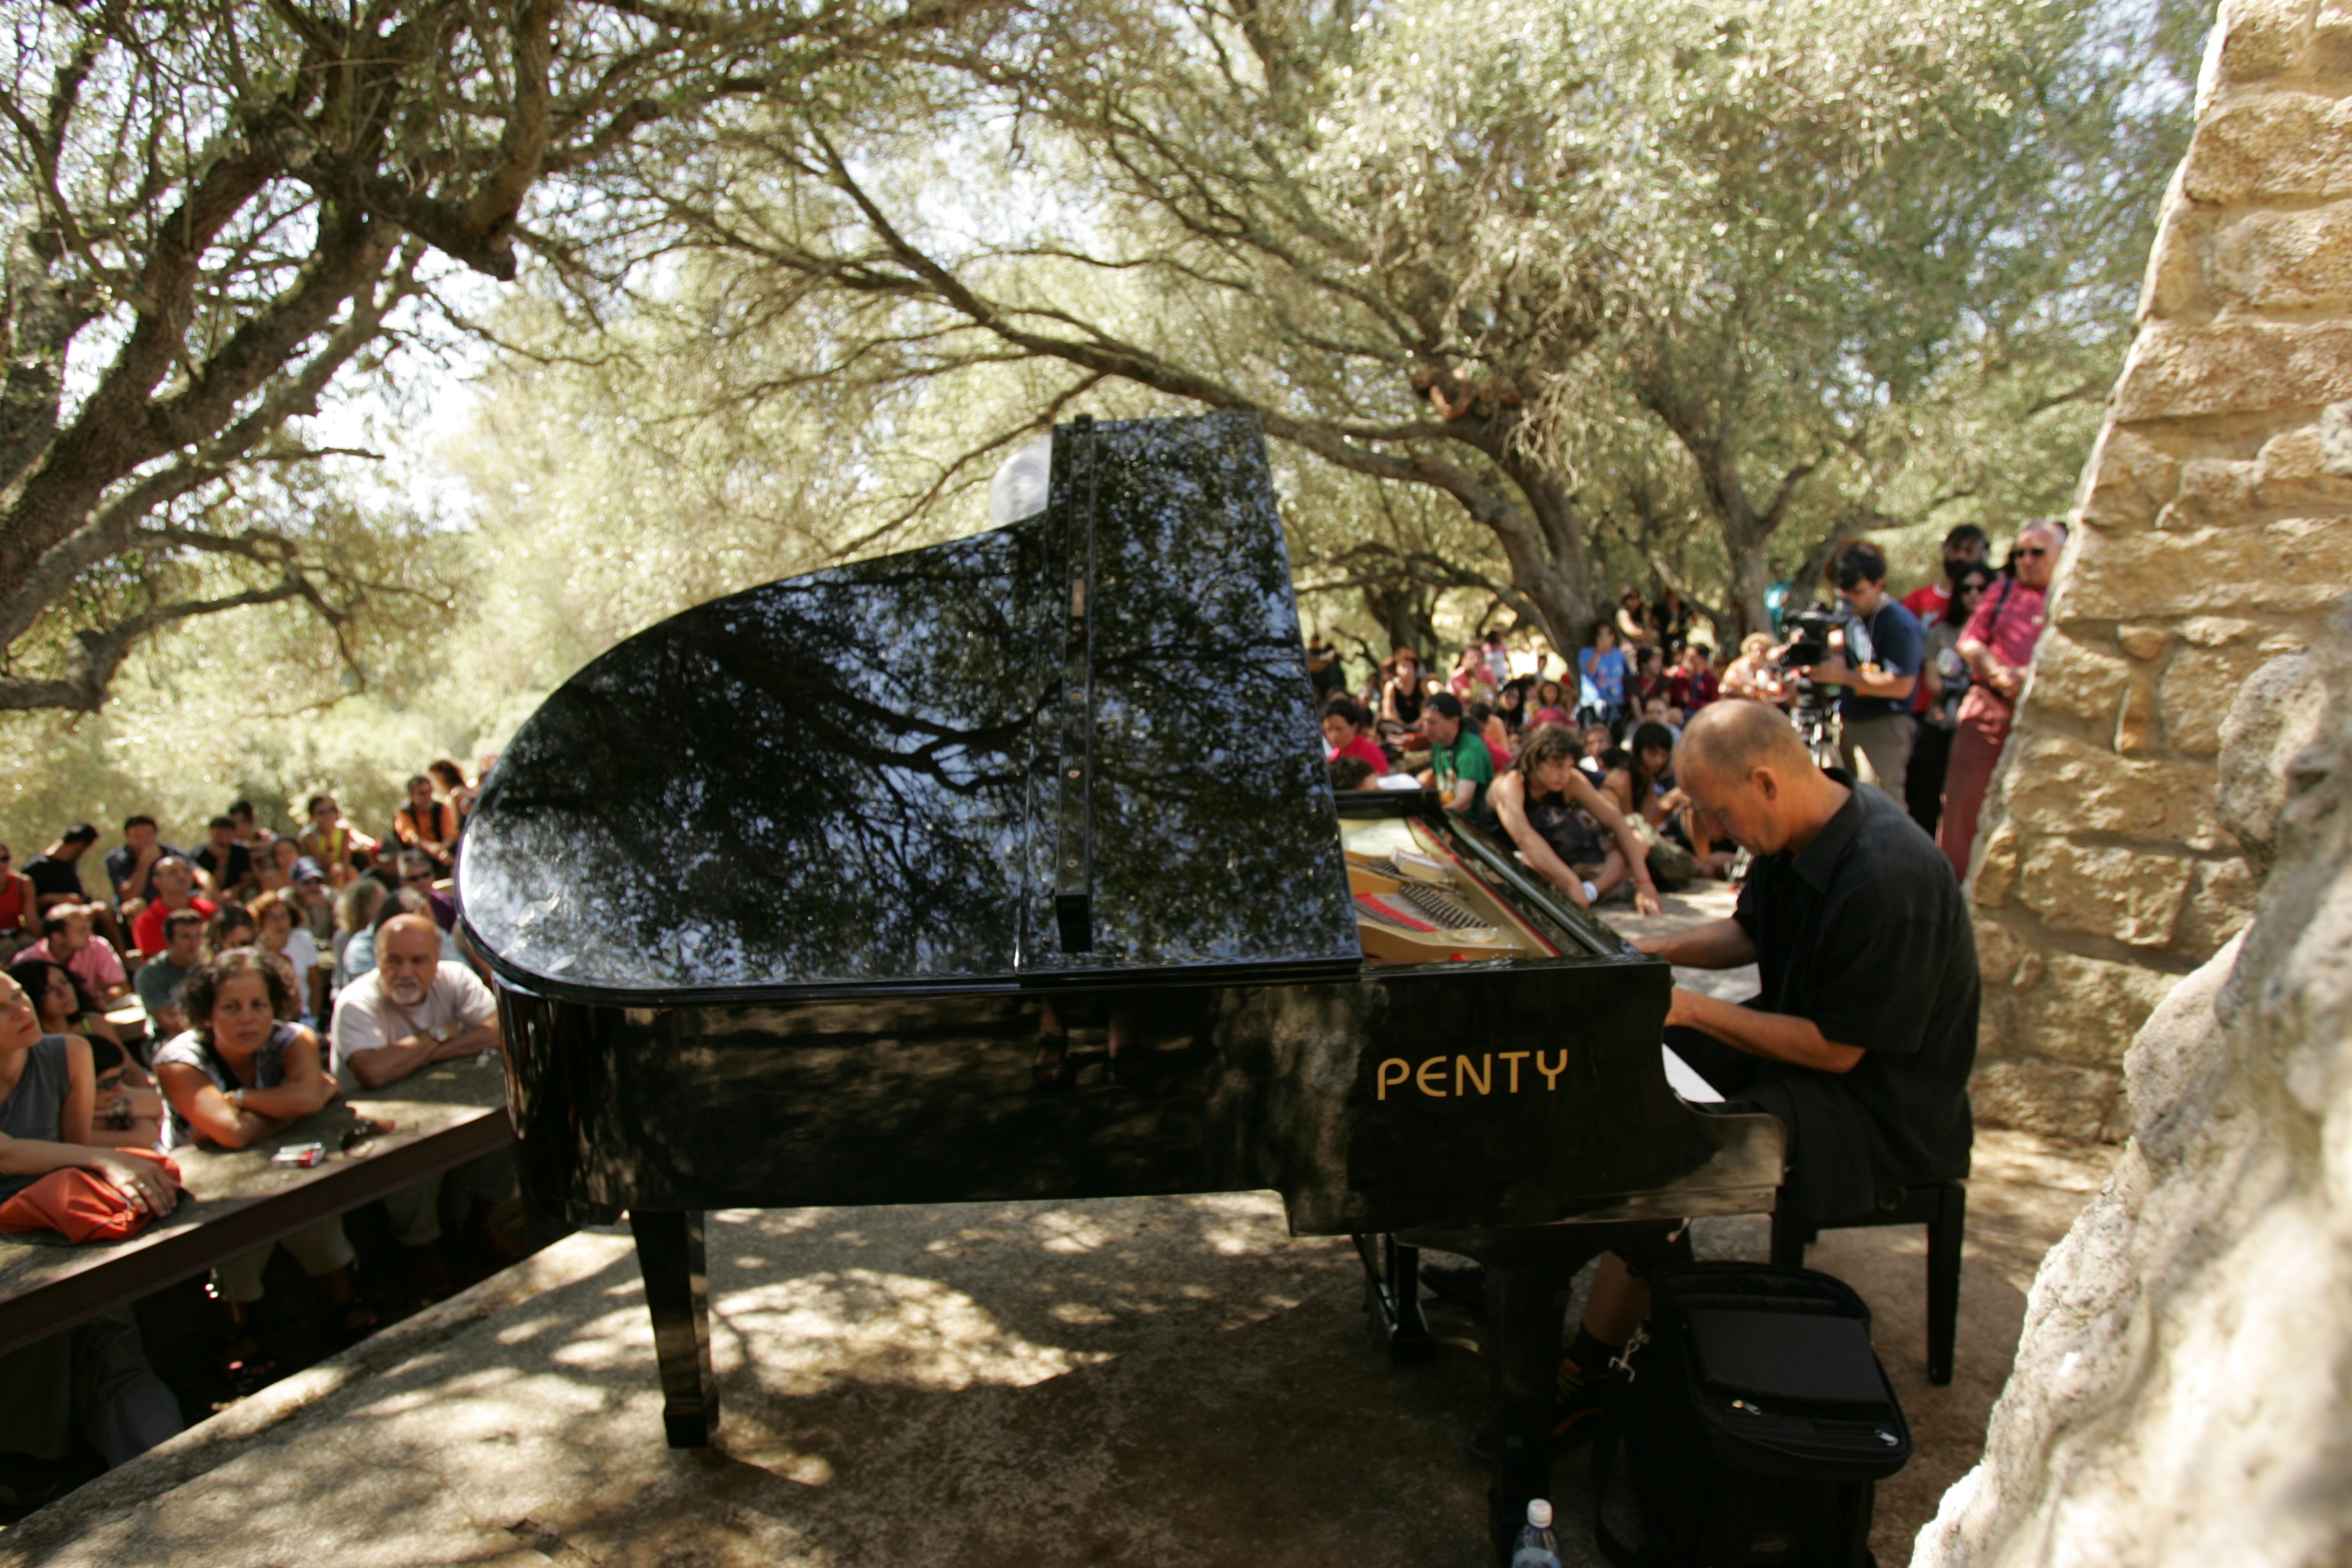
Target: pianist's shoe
[(1583, 1396)]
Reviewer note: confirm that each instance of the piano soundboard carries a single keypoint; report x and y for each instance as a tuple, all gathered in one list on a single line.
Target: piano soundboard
[(1417, 902)]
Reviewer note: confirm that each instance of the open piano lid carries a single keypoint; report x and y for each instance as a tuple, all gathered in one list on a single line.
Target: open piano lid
[(1079, 748)]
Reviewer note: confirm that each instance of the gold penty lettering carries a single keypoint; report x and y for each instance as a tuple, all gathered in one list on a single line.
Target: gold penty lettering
[(1513, 1057), (1551, 1074), (1483, 1076), (1436, 1064), (1382, 1078)]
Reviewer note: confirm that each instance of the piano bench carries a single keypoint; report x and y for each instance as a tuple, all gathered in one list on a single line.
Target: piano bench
[(1942, 1208)]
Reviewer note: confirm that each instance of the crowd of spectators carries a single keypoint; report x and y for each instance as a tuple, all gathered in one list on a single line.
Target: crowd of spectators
[(213, 997), (1573, 761)]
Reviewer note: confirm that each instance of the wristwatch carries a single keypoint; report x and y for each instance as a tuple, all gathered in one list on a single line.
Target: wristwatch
[(441, 1033)]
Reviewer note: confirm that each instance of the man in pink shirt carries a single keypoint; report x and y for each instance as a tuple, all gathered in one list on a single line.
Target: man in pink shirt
[(67, 939), (1998, 647)]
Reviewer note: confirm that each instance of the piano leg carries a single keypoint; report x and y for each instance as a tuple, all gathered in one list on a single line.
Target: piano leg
[(1524, 1317), (677, 1294), (1392, 1289)]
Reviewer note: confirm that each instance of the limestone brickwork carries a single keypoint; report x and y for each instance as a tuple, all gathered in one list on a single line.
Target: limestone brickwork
[(2180, 1392), (2213, 526)]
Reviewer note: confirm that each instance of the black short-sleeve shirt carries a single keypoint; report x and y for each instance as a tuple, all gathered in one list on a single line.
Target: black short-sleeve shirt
[(1866, 932), (123, 858), (54, 878), (239, 867)]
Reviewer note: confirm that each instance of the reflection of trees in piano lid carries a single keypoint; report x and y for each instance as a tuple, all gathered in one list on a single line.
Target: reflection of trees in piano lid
[(745, 757)]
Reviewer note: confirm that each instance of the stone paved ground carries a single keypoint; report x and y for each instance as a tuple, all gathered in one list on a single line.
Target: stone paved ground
[(1170, 1381)]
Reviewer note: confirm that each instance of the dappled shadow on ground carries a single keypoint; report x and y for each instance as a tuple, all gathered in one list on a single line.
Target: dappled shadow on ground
[(1168, 1379)]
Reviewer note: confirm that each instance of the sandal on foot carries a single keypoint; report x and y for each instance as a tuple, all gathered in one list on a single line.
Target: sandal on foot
[(355, 1320)]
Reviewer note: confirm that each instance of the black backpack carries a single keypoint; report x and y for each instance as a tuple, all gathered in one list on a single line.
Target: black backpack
[(1755, 1398)]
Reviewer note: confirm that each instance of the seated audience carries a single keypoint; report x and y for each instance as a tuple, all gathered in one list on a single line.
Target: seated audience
[(1460, 767), (461, 796), (314, 901), (416, 874), (130, 864), (342, 850), (1752, 675), (414, 1009), (1693, 684), (91, 1380), (231, 926), (240, 1074), (160, 977), (355, 917), (1555, 816), (284, 936), (1350, 773), (275, 865), (128, 1116), (56, 871), (427, 824), (1548, 705), (1343, 733), (174, 883), (255, 838), (20, 908), (227, 865), (67, 938)]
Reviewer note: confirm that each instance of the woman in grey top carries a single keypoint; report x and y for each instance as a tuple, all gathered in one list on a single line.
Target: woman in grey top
[(240, 1075), (93, 1376)]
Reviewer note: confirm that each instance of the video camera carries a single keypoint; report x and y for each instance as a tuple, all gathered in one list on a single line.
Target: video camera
[(1814, 633)]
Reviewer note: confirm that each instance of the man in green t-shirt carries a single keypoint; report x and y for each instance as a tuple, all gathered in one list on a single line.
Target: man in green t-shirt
[(1460, 766), (159, 979)]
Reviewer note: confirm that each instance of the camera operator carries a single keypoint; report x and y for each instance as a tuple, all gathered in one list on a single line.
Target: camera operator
[(1874, 727)]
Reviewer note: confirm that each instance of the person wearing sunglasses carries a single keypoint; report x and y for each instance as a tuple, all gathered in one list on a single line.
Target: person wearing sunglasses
[(1997, 647), (1944, 681)]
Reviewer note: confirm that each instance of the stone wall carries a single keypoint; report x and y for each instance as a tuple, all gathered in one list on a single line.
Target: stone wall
[(2213, 525), (2180, 1389)]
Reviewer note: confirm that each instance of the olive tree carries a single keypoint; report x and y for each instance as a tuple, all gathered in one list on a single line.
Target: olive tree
[(218, 212)]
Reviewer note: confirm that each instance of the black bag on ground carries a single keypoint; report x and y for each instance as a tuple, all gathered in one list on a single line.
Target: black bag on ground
[(1755, 1401)]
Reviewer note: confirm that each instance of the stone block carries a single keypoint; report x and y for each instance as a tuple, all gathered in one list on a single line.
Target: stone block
[(2143, 642), (2058, 786), (2131, 478), (2079, 1009), (2336, 439), (1995, 865), (2260, 40), (2056, 1100), (2294, 471), (2291, 565), (2072, 677), (2196, 692), (2221, 902), (2132, 895), (2176, 286), (2212, 491), (2279, 711), (2285, 260), (2177, 371), (2257, 146)]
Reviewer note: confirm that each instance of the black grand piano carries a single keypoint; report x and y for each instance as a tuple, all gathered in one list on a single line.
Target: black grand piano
[(773, 892)]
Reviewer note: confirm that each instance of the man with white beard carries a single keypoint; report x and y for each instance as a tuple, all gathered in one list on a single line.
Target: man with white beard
[(410, 1011)]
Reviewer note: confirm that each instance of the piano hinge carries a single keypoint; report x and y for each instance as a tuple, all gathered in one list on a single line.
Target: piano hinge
[(1074, 858)]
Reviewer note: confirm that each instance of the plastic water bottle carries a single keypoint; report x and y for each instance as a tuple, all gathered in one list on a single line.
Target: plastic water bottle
[(1537, 1546)]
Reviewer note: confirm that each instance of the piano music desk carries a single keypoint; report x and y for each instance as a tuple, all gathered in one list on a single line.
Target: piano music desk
[(236, 1199)]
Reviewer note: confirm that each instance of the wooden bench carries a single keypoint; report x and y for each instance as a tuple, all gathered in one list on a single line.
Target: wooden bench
[(237, 1200)]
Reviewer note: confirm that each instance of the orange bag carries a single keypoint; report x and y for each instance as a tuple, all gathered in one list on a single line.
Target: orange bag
[(81, 1205)]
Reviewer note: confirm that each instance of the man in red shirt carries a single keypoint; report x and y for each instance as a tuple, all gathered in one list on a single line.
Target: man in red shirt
[(175, 882), (1693, 684), (1998, 647)]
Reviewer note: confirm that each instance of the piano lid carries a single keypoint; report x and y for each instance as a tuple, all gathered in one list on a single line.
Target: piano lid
[(1081, 748)]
